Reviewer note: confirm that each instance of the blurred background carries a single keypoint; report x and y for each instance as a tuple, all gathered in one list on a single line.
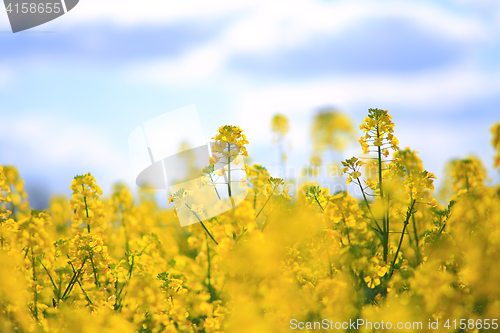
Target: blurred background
[(72, 90)]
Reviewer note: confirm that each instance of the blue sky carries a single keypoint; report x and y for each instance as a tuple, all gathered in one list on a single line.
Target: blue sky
[(73, 89)]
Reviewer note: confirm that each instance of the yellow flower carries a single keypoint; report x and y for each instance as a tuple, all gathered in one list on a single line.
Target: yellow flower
[(351, 168), (286, 195), (85, 202), (279, 125), (229, 138), (331, 129), (379, 128)]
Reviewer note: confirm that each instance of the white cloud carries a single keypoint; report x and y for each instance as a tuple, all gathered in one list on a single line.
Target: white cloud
[(276, 26), (192, 67), (128, 13), (261, 20)]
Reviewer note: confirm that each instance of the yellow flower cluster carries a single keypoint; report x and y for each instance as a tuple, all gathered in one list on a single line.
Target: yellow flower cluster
[(257, 176), (331, 129), (463, 176), (378, 127), (352, 167), (85, 203), (393, 254), (33, 234), (280, 125), (417, 182), (15, 194), (88, 251), (229, 142)]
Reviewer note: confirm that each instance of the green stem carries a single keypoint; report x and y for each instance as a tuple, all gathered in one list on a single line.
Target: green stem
[(329, 259), (203, 225), (346, 228), (387, 218), (316, 198), (208, 232), (86, 209), (260, 211), (35, 298), (13, 210), (380, 167), (84, 293), (408, 214), (81, 287), (50, 277), (96, 280), (229, 174), (415, 233), (441, 230), (73, 280), (368, 205), (267, 219), (119, 299), (242, 234), (385, 226), (210, 289), (122, 222), (215, 187), (130, 269)]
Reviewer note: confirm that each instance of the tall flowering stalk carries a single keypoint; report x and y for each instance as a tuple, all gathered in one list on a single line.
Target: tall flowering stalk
[(85, 202), (404, 177), (378, 128), (257, 177), (464, 176), (379, 138), (280, 127), (89, 249), (122, 204), (181, 197), (34, 239), (331, 131), (276, 191), (208, 173), (229, 143), (418, 184)]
